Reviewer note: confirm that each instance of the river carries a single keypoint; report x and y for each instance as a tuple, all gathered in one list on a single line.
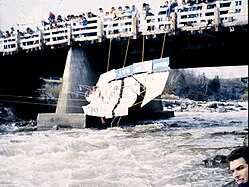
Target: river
[(164, 153)]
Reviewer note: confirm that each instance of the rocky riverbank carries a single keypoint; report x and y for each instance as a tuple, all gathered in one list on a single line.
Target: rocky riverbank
[(10, 122)]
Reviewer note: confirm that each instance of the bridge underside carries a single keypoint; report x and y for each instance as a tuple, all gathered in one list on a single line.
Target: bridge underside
[(20, 73)]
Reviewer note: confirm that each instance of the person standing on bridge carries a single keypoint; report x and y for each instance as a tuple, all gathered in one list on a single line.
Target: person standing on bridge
[(135, 11), (101, 14), (238, 163)]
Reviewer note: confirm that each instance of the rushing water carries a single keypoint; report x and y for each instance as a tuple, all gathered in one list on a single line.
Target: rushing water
[(165, 153)]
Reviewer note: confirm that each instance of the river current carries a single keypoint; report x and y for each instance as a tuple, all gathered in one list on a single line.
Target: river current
[(164, 153)]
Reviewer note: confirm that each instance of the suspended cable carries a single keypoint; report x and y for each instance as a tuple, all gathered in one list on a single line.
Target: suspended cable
[(24, 102), (126, 51), (109, 53), (143, 50), (137, 103), (31, 97), (33, 103), (163, 44), (113, 120), (119, 121)]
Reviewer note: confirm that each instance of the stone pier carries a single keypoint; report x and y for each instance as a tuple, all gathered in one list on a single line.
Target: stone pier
[(78, 75)]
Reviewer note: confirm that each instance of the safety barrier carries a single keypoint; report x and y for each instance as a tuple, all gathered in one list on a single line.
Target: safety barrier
[(187, 18)]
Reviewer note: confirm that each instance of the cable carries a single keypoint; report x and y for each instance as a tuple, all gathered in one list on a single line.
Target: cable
[(163, 44), (31, 97), (109, 55), (126, 51), (33, 103), (143, 49)]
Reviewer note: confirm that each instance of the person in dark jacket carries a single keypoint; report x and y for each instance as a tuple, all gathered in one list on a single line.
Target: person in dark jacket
[(238, 164)]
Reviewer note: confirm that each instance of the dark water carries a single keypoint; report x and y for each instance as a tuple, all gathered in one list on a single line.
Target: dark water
[(164, 153)]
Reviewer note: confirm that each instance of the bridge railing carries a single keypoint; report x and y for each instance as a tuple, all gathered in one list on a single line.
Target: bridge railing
[(55, 36), (215, 14), (196, 17), (121, 27), (155, 24), (29, 41), (9, 44), (87, 32)]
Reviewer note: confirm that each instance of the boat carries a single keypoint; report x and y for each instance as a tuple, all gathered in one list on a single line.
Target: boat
[(119, 90)]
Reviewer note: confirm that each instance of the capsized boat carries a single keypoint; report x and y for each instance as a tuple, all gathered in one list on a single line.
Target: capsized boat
[(118, 90)]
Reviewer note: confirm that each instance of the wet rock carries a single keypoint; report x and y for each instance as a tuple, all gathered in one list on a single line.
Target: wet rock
[(22, 123), (231, 184), (243, 108), (245, 142), (213, 105), (238, 105), (217, 161), (9, 122), (7, 115), (221, 110)]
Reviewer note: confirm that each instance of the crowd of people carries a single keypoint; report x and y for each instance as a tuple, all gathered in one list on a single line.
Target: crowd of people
[(114, 13)]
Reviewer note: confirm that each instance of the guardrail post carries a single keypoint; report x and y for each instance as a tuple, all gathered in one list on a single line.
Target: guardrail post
[(100, 30), (134, 26), (69, 35), (143, 22), (17, 42), (216, 18), (51, 36), (40, 39), (174, 22)]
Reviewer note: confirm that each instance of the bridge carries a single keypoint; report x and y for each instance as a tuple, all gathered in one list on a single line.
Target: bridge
[(201, 35), (213, 16)]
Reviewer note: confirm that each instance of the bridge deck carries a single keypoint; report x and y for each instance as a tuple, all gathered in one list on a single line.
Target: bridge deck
[(196, 18)]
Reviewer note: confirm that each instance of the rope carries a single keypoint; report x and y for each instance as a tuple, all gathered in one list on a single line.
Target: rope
[(137, 103), (109, 55), (143, 50), (113, 121), (119, 121), (163, 45), (156, 99), (33, 103), (31, 97), (126, 51)]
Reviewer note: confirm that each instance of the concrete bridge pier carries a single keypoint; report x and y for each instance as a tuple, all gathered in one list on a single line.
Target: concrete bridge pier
[(78, 75)]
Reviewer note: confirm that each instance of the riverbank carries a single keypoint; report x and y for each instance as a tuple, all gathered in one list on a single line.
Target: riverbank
[(9, 122)]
